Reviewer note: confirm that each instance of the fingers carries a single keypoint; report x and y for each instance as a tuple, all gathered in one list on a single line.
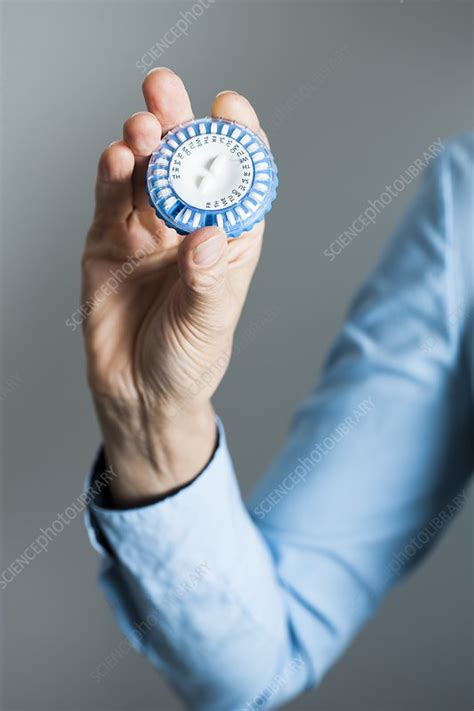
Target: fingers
[(167, 98), (142, 133), (202, 262), (243, 257), (122, 167), (202, 259), (235, 107), (114, 194)]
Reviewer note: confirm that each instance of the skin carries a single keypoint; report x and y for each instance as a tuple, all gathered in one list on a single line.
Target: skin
[(159, 344)]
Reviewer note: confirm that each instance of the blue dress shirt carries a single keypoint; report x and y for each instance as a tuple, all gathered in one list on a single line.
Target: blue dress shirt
[(243, 606)]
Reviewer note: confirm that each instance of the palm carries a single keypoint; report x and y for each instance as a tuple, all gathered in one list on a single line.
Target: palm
[(137, 304)]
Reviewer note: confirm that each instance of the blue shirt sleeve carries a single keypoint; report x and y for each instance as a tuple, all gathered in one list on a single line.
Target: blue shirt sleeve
[(244, 606)]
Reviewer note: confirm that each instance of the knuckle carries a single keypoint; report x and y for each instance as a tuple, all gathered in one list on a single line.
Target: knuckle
[(207, 282)]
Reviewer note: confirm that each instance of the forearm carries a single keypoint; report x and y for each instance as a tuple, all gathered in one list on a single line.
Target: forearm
[(153, 454)]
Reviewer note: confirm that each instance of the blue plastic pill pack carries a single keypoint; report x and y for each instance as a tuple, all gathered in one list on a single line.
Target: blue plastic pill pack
[(211, 172)]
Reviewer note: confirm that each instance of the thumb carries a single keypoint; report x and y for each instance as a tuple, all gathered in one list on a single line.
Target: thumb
[(203, 265)]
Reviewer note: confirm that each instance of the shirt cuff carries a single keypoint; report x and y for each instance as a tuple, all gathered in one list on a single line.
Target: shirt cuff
[(110, 529)]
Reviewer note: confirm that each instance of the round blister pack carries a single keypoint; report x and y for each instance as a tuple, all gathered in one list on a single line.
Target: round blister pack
[(211, 172)]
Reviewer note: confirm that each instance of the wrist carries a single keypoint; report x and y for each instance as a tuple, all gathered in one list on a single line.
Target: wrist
[(154, 454)]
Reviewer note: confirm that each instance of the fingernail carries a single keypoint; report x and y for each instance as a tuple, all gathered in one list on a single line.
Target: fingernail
[(226, 91), (208, 252), (157, 69)]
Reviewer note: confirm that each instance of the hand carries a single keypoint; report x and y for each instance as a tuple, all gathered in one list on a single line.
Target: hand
[(162, 308)]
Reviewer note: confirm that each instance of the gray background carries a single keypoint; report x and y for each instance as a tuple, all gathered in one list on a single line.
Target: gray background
[(69, 81)]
